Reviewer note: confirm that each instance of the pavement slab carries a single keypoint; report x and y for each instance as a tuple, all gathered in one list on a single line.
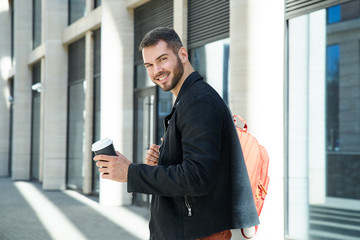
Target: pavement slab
[(28, 212)]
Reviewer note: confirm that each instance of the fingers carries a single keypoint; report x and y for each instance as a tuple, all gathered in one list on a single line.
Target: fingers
[(152, 155), (151, 162), (155, 148), (104, 158), (151, 159), (103, 169), (113, 167), (102, 164)]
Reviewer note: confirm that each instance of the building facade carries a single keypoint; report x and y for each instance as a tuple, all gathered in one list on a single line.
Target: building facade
[(71, 74)]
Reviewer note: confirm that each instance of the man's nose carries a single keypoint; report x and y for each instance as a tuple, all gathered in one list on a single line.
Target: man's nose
[(157, 69)]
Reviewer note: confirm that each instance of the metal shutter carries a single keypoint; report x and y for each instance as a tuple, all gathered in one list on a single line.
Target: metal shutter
[(156, 13), (97, 52), (208, 21), (294, 8), (77, 61)]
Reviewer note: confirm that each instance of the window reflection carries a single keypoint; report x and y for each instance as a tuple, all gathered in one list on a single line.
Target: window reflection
[(142, 79), (324, 123), (212, 62), (76, 10), (332, 97), (36, 23), (343, 100), (333, 14), (344, 12)]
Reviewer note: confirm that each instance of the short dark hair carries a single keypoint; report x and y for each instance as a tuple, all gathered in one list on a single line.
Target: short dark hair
[(161, 33)]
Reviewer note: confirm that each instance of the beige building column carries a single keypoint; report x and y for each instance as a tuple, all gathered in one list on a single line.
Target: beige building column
[(22, 91), (117, 64), (5, 66), (89, 111), (256, 92), (89, 104), (54, 99), (180, 19)]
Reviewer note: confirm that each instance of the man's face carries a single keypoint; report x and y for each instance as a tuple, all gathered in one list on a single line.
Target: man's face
[(164, 67)]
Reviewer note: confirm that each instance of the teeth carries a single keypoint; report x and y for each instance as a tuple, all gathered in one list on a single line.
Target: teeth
[(162, 78)]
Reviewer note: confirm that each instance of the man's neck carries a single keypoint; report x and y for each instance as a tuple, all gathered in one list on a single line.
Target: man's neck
[(188, 69)]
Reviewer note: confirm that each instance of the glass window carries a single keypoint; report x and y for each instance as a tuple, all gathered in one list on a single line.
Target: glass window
[(11, 111), (97, 3), (142, 79), (324, 124), (36, 23), (77, 10), (164, 108), (35, 123), (76, 109), (346, 11), (212, 62), (334, 14), (76, 135), (97, 103), (332, 97), (12, 31)]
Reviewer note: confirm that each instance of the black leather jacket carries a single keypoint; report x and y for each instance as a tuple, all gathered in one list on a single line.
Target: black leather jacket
[(201, 185)]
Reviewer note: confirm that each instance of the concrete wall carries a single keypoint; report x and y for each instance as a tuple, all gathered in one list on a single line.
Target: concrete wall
[(5, 66), (180, 19), (54, 96), (22, 88), (117, 64)]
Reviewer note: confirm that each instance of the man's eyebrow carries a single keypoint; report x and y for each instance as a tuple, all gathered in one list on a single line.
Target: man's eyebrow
[(161, 56), (164, 54)]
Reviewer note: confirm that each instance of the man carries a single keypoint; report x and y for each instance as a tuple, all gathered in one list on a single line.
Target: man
[(197, 177)]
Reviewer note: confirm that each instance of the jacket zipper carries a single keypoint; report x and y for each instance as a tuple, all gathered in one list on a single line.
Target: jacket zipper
[(187, 204)]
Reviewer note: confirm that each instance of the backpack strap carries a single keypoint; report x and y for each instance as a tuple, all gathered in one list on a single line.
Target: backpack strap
[(244, 128)]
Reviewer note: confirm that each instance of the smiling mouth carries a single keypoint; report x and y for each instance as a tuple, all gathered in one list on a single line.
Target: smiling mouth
[(162, 77)]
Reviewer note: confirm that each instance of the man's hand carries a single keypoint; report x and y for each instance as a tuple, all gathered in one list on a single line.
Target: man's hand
[(152, 155), (113, 167)]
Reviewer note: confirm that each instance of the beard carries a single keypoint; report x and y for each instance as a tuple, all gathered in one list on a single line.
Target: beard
[(178, 72)]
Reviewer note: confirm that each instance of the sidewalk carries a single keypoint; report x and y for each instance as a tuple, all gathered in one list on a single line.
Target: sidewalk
[(28, 212)]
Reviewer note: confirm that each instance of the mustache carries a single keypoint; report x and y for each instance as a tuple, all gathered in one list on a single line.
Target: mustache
[(161, 73)]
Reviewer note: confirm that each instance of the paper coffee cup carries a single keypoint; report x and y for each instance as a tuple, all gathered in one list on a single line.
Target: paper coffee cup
[(104, 146)]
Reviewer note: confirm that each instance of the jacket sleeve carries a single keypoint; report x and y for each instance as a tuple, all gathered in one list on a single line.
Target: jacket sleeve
[(200, 122)]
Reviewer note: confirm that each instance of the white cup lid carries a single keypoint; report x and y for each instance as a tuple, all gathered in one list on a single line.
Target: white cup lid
[(102, 143)]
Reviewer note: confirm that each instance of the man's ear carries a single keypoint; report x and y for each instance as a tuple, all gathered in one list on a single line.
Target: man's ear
[(183, 54)]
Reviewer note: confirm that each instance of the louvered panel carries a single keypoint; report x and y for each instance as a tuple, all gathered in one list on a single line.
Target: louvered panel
[(97, 51), (156, 13), (208, 21), (294, 8), (77, 61)]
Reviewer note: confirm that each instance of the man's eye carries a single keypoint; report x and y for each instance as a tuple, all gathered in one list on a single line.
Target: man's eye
[(163, 59)]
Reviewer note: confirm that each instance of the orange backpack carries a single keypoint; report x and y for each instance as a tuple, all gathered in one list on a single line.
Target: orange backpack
[(257, 163)]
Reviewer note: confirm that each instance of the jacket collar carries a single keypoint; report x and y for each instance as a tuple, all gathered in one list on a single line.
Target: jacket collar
[(189, 81)]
